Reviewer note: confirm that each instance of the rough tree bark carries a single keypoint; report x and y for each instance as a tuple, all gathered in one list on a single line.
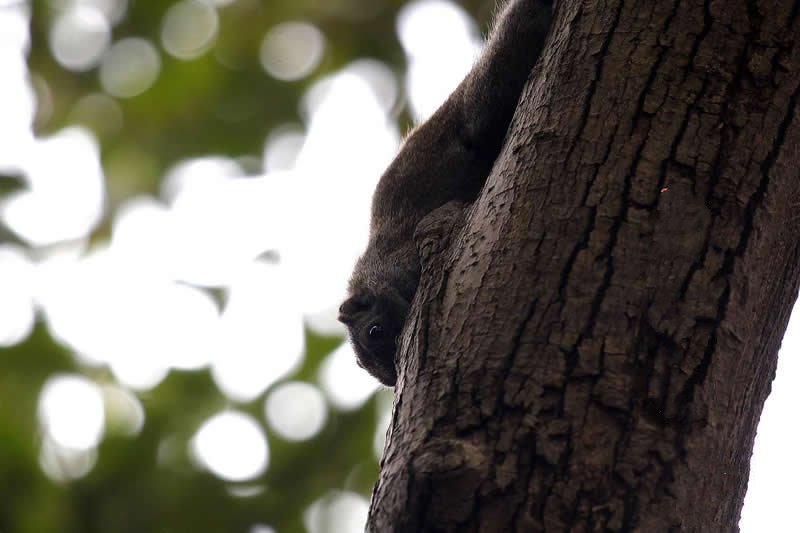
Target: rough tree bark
[(593, 341)]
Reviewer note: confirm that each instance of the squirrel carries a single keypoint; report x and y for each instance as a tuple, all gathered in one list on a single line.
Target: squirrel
[(446, 158)]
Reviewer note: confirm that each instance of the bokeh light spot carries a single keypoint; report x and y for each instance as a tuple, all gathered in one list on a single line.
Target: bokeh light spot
[(65, 165), (380, 78), (442, 43), (291, 50), (349, 142), (296, 411), (71, 411), (770, 498), (99, 112), (124, 412), (262, 329), (346, 384), (44, 100), (282, 147), (130, 67), (384, 408), (189, 29), (79, 37), (138, 376), (232, 446), (338, 512), (114, 10), (16, 300), (64, 464)]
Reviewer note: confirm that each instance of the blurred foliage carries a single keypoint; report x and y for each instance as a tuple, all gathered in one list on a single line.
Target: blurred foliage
[(131, 489), (220, 103)]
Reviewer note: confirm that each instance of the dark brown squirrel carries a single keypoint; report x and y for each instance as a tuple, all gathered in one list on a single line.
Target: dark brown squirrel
[(446, 158)]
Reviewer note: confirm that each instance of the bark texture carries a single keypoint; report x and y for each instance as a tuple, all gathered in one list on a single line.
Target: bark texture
[(593, 340)]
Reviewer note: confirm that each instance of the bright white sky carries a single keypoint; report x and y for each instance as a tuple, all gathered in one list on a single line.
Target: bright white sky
[(164, 247)]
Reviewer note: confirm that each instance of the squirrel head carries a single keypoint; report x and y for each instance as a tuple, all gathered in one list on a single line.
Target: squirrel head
[(375, 320)]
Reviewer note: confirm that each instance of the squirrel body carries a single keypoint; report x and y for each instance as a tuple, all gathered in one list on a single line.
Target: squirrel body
[(446, 158)]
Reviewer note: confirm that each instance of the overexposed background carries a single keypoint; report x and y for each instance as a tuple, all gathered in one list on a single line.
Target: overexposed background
[(228, 262)]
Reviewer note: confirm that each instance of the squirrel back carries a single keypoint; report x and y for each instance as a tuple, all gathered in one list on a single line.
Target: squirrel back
[(446, 158)]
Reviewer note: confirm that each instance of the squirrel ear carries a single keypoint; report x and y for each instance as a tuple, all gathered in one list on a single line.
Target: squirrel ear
[(356, 304)]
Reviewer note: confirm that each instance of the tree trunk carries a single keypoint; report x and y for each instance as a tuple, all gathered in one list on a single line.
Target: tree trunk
[(592, 348)]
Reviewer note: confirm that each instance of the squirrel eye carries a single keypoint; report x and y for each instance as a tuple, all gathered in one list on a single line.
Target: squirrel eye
[(375, 331)]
